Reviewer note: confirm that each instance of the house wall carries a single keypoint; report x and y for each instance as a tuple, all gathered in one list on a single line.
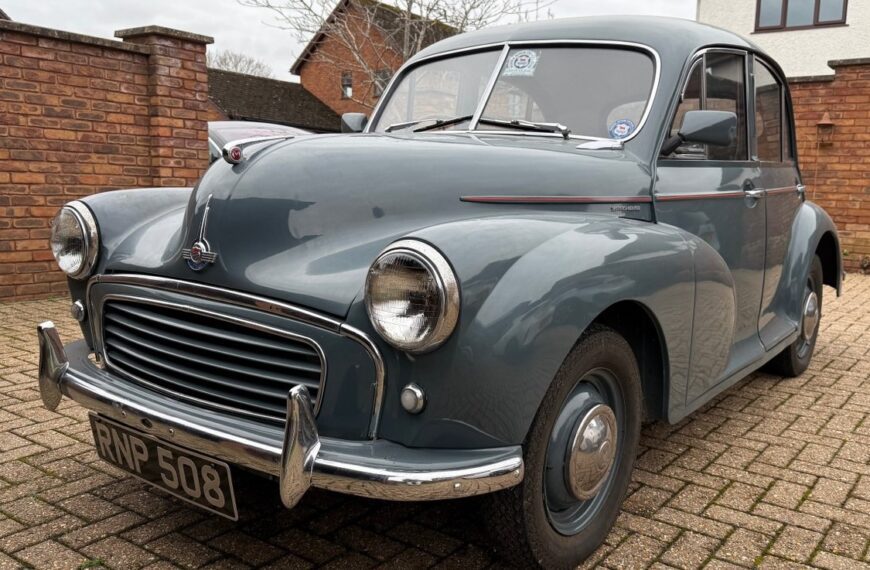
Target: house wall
[(836, 163), (799, 52), (321, 76), (80, 115)]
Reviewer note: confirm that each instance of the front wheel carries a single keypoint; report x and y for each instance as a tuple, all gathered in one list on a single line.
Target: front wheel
[(579, 456)]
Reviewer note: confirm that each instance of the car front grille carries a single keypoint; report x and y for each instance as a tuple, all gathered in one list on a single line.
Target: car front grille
[(215, 360)]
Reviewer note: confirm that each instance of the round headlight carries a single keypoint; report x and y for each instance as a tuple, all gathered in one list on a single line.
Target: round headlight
[(74, 240), (412, 296)]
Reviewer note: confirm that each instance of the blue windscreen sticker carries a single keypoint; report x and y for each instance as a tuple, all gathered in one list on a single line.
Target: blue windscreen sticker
[(621, 128)]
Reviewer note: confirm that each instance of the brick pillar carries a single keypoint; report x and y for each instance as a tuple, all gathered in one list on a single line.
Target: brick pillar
[(178, 94)]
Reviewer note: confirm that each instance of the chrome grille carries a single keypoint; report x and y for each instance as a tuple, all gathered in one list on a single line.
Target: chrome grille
[(213, 359)]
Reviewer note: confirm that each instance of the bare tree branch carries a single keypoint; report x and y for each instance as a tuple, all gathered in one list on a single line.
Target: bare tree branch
[(373, 38), (239, 62)]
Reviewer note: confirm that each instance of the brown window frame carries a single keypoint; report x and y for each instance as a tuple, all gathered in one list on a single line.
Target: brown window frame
[(784, 12), (348, 76)]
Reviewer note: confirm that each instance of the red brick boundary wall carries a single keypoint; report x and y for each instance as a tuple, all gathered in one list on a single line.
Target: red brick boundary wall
[(832, 117), (80, 115)]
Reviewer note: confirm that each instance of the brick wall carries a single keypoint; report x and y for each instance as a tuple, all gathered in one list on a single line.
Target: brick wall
[(835, 162), (80, 115)]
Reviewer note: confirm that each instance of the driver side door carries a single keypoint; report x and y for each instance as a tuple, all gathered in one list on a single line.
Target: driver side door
[(712, 192)]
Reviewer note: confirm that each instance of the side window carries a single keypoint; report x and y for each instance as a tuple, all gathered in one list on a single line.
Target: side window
[(725, 90), (691, 101), (768, 114), (716, 82)]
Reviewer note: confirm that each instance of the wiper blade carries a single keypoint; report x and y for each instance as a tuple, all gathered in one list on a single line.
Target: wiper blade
[(437, 124), (440, 123), (529, 126)]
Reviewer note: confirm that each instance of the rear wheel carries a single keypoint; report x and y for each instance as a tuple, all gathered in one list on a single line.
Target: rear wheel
[(578, 458), (795, 359)]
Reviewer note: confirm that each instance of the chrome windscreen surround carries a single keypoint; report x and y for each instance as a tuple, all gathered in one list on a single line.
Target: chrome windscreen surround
[(258, 303), (438, 266), (91, 237), (485, 95)]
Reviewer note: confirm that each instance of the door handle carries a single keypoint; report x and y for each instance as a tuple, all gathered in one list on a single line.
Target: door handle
[(755, 194), (801, 189)]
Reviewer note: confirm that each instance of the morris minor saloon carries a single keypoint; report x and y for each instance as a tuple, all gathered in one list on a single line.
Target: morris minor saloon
[(545, 235)]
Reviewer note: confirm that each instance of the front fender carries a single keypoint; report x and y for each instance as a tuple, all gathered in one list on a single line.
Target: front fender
[(142, 225), (530, 286)]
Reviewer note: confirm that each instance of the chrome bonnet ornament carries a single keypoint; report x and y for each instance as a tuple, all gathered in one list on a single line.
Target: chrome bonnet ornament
[(199, 255)]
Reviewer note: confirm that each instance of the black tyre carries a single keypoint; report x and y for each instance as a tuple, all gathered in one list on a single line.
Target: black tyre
[(563, 509), (795, 359)]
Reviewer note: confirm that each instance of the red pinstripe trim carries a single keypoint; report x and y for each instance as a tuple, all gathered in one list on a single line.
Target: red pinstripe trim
[(556, 199), (700, 196)]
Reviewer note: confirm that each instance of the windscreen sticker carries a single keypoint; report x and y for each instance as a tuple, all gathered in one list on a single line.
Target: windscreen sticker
[(621, 128), (521, 64)]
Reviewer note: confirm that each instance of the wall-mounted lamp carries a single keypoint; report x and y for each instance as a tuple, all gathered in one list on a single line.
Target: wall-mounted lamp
[(825, 129)]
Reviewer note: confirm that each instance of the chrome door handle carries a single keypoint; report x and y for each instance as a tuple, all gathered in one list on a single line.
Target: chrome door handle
[(755, 194), (801, 189)]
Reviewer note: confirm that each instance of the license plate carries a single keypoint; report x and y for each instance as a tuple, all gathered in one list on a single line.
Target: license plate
[(188, 475)]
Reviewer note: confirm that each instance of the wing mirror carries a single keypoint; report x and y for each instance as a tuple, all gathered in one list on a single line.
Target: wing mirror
[(718, 128), (354, 122)]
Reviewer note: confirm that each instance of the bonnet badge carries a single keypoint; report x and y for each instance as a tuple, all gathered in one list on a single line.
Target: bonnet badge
[(199, 255)]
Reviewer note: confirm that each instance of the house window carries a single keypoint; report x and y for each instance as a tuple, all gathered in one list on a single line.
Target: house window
[(798, 14), (382, 78), (346, 85)]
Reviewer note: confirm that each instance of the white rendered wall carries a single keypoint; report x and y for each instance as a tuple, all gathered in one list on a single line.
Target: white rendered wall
[(799, 52)]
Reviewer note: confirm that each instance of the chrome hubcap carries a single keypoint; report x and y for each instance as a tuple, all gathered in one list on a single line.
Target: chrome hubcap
[(592, 452), (810, 316)]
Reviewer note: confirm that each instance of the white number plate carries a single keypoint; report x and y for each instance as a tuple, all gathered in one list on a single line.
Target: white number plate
[(198, 479)]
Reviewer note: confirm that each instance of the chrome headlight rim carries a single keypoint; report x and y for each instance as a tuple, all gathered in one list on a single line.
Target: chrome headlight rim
[(91, 235), (448, 291)]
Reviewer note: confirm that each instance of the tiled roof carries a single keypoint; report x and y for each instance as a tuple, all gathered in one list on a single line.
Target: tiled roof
[(251, 98), (3, 15)]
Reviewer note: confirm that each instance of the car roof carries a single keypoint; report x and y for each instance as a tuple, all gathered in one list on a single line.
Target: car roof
[(660, 33)]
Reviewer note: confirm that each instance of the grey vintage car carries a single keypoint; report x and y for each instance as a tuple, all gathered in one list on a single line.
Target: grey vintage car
[(545, 235)]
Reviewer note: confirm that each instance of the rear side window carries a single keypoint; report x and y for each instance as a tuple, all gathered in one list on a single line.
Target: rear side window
[(769, 121), (716, 82)]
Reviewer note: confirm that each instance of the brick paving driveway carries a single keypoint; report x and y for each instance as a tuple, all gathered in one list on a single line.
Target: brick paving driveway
[(773, 472)]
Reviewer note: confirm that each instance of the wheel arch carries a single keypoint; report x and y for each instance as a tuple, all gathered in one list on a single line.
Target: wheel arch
[(639, 326), (827, 250)]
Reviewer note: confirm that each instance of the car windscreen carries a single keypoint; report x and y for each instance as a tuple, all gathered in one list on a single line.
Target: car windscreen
[(595, 91)]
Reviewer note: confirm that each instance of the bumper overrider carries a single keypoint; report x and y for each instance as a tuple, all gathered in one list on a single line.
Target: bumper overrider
[(297, 455)]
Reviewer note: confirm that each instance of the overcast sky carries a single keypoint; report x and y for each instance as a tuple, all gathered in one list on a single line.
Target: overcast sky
[(248, 30)]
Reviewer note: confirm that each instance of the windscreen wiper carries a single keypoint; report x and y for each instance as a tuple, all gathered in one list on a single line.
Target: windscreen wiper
[(437, 124), (528, 126)]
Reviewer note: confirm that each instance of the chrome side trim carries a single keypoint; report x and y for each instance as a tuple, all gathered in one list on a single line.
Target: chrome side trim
[(266, 305), (506, 46), (100, 347), (700, 196), (377, 469)]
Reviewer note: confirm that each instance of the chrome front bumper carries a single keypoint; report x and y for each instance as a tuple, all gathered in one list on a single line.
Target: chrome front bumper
[(297, 455)]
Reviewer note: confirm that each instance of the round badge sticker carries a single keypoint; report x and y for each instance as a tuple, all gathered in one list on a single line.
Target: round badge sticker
[(521, 63), (621, 128)]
